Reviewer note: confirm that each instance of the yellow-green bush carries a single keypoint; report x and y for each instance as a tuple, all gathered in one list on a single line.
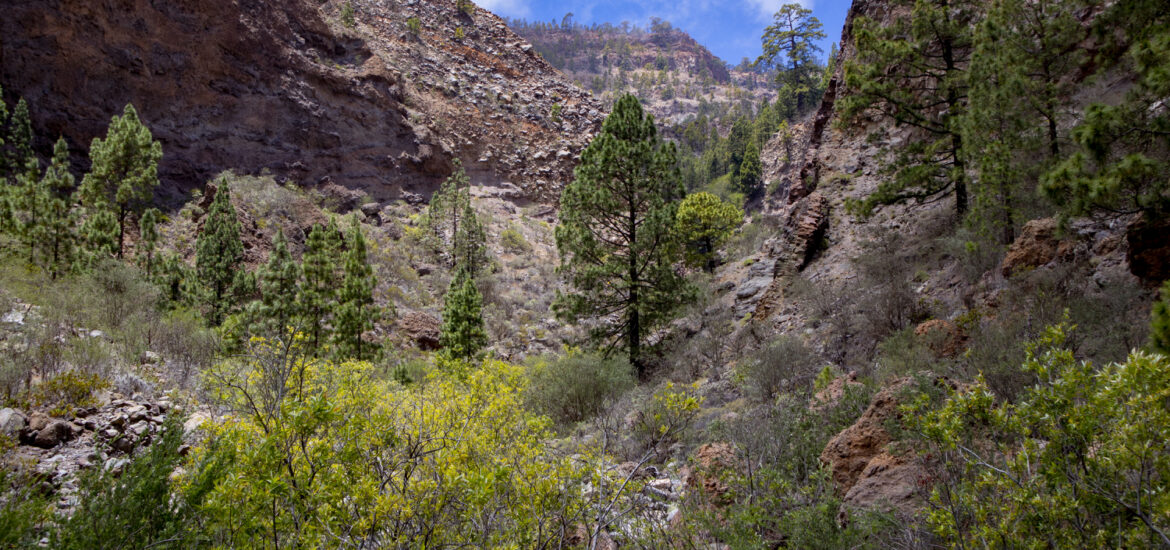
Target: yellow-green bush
[(66, 391), (326, 455)]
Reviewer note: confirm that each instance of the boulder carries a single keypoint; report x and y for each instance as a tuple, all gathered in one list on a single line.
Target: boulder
[(1037, 245), (422, 328), (850, 451), (38, 421), (889, 482), (12, 421), (57, 432)]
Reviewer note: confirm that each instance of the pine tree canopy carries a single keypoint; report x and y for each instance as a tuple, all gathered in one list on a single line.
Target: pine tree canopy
[(616, 241), (219, 253), (462, 335), (914, 72), (356, 312), (124, 169)]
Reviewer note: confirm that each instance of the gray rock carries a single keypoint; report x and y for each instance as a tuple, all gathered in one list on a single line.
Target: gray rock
[(12, 421), (752, 287)]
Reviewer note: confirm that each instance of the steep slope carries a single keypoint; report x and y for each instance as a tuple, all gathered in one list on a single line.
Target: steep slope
[(673, 75), (287, 87)]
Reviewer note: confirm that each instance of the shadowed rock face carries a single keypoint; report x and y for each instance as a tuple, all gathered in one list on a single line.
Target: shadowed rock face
[(223, 84), (281, 85)]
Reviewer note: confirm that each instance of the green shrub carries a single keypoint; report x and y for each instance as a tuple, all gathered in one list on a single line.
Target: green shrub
[(65, 392), (347, 14), (513, 241), (785, 364), (414, 25), (1080, 460), (25, 509), (577, 385)]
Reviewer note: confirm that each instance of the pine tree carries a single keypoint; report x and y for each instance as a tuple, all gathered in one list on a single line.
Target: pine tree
[(462, 335), (1024, 52), (1122, 152), (278, 311), (471, 242), (30, 206), (913, 72), (704, 223), (219, 254), (615, 238), (747, 179), (124, 169), (737, 144), (99, 234), (148, 239), (355, 311), (319, 291), (790, 46), (58, 219), (454, 225), (20, 136)]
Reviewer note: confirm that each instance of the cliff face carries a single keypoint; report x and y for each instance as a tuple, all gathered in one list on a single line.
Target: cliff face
[(665, 67), (256, 85)]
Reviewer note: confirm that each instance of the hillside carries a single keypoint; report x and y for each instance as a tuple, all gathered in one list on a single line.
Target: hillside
[(674, 76), (369, 274), (289, 88)]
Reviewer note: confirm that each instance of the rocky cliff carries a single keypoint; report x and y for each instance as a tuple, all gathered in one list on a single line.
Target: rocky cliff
[(296, 89), (674, 76)]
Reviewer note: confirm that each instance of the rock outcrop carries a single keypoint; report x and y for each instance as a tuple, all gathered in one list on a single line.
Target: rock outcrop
[(286, 87), (1036, 246), (865, 469)]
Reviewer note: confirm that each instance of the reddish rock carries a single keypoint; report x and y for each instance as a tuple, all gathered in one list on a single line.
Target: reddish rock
[(888, 482), (943, 337), (1036, 246), (850, 451), (422, 328), (832, 394), (711, 462)]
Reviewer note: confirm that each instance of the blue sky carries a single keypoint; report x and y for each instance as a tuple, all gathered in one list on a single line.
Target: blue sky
[(729, 28)]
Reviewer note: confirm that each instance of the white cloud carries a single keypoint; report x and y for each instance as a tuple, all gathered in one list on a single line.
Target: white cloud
[(510, 8), (766, 8)]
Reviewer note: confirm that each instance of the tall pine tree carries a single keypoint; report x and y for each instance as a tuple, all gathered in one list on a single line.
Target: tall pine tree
[(454, 225), (914, 72), (278, 312), (219, 254), (58, 219), (790, 47), (462, 335), (356, 312), (1024, 52), (124, 170), (319, 290), (615, 238)]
